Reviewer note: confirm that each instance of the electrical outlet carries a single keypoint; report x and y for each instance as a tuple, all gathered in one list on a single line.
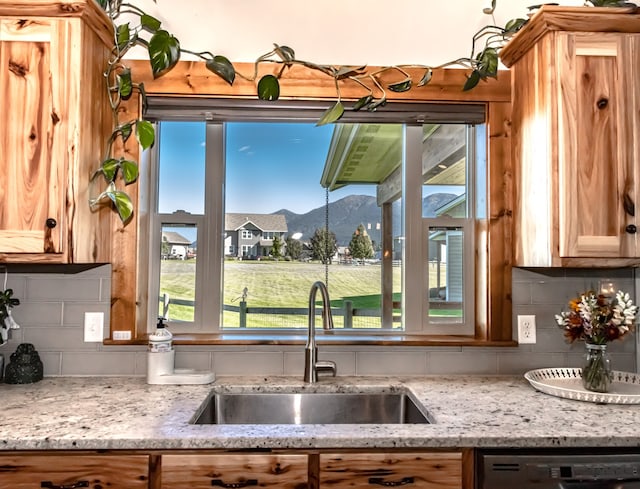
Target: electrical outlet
[(93, 326), (526, 329)]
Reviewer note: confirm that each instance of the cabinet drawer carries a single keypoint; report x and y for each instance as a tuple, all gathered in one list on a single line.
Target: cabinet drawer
[(234, 470), (71, 470), (410, 470)]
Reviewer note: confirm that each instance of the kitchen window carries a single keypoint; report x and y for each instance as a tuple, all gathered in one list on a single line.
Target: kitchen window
[(413, 193)]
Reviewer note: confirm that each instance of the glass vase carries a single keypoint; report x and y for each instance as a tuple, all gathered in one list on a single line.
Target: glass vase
[(596, 373)]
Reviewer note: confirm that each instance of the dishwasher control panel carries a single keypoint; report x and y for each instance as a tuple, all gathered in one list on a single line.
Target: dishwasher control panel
[(557, 470)]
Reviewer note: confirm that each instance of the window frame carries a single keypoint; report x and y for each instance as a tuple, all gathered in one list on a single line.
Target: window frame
[(191, 80), (415, 310)]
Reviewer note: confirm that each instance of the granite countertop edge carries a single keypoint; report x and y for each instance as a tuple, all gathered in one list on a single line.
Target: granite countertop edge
[(125, 413)]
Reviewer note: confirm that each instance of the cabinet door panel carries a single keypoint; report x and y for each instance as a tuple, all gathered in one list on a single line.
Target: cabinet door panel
[(410, 470), (91, 471), (234, 470), (33, 187), (595, 146)]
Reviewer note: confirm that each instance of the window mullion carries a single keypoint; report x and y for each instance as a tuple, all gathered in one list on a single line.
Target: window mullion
[(413, 279), (213, 238)]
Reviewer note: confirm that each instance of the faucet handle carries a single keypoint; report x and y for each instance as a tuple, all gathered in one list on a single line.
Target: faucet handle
[(326, 366)]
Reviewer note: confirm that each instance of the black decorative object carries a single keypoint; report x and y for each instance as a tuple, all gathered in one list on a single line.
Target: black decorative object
[(25, 366)]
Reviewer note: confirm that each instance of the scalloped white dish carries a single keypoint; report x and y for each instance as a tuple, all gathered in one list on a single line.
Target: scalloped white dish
[(567, 383)]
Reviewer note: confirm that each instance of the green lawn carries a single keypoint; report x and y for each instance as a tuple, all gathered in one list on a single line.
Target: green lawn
[(281, 284)]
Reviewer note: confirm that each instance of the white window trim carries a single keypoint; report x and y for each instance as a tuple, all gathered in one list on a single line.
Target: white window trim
[(208, 313)]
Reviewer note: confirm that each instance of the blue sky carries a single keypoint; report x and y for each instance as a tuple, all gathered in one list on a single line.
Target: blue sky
[(269, 167)]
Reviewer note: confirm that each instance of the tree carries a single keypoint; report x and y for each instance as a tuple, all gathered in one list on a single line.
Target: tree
[(276, 247), (323, 245), (294, 248), (360, 245)]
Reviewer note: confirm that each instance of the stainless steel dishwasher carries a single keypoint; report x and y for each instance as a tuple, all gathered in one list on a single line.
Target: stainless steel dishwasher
[(558, 469)]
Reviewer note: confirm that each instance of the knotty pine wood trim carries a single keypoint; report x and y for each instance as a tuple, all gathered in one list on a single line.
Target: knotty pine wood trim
[(576, 19), (191, 79)]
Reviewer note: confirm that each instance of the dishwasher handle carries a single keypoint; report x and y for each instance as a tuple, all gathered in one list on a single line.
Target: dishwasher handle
[(604, 484)]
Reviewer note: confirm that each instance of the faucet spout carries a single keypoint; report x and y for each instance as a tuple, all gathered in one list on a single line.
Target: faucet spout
[(311, 364)]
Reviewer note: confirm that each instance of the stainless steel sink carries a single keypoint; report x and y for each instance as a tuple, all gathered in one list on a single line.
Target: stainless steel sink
[(310, 408)]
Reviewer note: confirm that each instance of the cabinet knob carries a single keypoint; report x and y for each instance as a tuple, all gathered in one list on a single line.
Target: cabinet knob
[(51, 223), (631, 229)]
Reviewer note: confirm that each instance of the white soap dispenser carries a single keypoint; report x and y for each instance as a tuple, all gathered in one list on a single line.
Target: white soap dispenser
[(161, 361), (160, 355)]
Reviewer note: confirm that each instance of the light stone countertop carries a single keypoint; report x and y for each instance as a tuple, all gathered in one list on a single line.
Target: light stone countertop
[(469, 411)]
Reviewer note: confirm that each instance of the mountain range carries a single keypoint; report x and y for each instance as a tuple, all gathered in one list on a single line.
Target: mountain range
[(347, 213)]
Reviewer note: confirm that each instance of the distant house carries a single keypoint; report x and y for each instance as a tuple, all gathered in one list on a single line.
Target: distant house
[(174, 245), (251, 235)]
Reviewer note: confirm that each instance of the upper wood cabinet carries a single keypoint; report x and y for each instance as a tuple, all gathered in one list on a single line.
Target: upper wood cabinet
[(575, 123), (56, 123)]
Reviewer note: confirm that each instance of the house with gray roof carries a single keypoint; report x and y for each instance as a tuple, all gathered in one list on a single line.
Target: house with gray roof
[(174, 245), (251, 235)]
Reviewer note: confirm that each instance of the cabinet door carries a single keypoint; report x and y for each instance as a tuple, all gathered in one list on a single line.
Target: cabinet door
[(234, 470), (32, 188), (72, 470), (596, 144), (410, 470)]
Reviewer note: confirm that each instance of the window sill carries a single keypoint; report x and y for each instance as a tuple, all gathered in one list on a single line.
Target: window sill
[(338, 340)]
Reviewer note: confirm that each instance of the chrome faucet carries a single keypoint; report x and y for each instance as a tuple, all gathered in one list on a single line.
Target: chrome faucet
[(311, 363)]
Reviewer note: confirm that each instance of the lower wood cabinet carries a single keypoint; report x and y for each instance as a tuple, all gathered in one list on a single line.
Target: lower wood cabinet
[(200, 469), (234, 470), (71, 471), (411, 470)]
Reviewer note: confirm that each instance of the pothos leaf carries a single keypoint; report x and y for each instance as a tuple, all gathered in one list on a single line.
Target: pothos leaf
[(122, 202), (514, 25), (488, 62), (125, 85), (472, 80), (109, 169), (268, 88), (332, 114), (164, 52), (149, 23), (145, 134), (129, 171), (222, 67), (401, 86), (362, 101), (125, 131), (123, 35)]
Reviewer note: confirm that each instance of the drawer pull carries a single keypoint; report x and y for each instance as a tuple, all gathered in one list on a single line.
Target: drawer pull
[(381, 482), (51, 485), (234, 485)]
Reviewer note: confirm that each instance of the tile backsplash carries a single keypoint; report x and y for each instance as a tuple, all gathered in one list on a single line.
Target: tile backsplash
[(51, 316)]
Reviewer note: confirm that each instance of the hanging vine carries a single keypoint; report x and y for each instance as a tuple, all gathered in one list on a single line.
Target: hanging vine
[(164, 52)]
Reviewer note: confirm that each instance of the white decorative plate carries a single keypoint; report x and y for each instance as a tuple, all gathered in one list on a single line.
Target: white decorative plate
[(567, 383)]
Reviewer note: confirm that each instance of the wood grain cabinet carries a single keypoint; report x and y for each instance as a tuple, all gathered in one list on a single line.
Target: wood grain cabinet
[(71, 471), (234, 470), (575, 123), (371, 470), (56, 121)]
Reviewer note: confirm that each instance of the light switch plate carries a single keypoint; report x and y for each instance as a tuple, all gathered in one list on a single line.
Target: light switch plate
[(93, 327)]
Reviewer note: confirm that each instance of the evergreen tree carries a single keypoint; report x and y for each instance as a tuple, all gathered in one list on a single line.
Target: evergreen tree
[(276, 247), (294, 248), (360, 245), (323, 245)]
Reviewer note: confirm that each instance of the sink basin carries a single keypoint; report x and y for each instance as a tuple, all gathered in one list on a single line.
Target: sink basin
[(310, 408)]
